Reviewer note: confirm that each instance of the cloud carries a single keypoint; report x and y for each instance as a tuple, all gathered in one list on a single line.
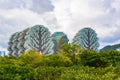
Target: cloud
[(68, 16), (73, 15), (101, 15), (18, 18), (10, 4), (41, 6), (116, 5)]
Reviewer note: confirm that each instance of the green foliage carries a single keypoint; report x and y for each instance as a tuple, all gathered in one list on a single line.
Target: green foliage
[(91, 58), (101, 59), (71, 63), (89, 73), (48, 73), (11, 68), (72, 51), (56, 60), (32, 58), (112, 56)]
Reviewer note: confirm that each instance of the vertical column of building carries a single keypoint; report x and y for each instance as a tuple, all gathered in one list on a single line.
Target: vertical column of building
[(22, 39), (15, 43), (20, 43), (10, 45), (2, 53), (39, 38), (59, 38)]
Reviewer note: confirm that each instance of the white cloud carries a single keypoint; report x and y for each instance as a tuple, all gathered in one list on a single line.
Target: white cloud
[(68, 15), (76, 14), (73, 15), (116, 5), (17, 19), (21, 15), (28, 3), (87, 9)]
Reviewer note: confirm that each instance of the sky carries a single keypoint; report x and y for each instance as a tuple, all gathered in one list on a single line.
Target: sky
[(68, 16)]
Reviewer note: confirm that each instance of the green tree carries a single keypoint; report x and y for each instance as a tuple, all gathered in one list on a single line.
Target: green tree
[(111, 56), (56, 60), (32, 58), (72, 51), (93, 59)]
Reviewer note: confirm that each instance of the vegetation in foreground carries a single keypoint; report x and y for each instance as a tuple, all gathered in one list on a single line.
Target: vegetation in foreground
[(71, 63)]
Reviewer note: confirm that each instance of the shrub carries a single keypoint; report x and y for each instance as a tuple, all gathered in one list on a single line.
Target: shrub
[(93, 59), (32, 58), (56, 60), (72, 51)]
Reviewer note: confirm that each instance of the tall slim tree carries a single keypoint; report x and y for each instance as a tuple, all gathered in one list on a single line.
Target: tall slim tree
[(59, 38), (39, 38), (87, 38)]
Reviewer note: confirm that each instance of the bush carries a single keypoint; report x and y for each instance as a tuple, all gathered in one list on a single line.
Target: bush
[(93, 59), (89, 73), (56, 60), (32, 58), (69, 64), (112, 56), (72, 51), (48, 73)]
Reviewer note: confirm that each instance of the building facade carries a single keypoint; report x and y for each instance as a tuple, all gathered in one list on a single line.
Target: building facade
[(38, 37), (59, 38), (2, 53)]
